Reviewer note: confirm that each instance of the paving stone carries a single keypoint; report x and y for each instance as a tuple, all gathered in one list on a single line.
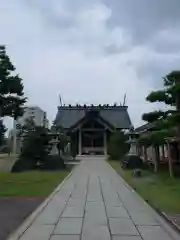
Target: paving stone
[(60, 198), (109, 192), (79, 194), (153, 232), (143, 218), (73, 211), (111, 198), (64, 193), (96, 214), (94, 197), (96, 233), (76, 202), (122, 226), (51, 214), (94, 192), (126, 237), (38, 232), (97, 220), (117, 212), (114, 202), (95, 206), (69, 226), (65, 237)]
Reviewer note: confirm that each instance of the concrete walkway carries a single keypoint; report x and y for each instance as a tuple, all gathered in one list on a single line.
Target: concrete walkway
[(94, 203)]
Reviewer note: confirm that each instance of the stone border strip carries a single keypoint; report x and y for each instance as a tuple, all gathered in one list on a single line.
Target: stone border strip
[(166, 224), (173, 224), (29, 221)]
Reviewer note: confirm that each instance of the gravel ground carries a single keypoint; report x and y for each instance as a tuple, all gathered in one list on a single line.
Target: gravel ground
[(13, 211)]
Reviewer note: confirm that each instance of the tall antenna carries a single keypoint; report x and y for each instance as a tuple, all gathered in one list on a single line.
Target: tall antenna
[(124, 102), (60, 100)]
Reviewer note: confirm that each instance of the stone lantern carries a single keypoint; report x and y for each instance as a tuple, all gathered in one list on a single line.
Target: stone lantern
[(54, 149), (132, 141)]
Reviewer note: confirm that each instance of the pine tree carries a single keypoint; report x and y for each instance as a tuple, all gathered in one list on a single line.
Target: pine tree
[(11, 90), (165, 123)]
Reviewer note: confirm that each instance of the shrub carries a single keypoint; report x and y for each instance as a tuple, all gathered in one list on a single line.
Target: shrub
[(35, 149), (23, 165), (132, 162), (53, 163), (118, 146), (35, 145)]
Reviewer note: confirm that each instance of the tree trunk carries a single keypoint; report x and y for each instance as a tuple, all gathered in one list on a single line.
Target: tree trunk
[(170, 161), (139, 151), (145, 154), (156, 158), (163, 152)]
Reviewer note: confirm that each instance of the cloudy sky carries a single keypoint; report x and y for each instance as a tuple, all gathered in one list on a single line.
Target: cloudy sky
[(91, 51)]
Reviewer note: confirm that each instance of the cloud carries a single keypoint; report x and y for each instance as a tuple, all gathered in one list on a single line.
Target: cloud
[(91, 51), (144, 18)]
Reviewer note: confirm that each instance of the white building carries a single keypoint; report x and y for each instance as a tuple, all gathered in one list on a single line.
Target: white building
[(40, 119), (37, 114)]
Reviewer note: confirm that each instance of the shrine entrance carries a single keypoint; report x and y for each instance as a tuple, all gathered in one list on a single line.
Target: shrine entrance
[(93, 142), (92, 138)]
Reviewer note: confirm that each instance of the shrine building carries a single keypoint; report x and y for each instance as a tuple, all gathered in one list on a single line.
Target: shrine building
[(90, 127)]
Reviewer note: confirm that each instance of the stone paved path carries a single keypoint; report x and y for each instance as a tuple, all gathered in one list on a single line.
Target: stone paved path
[(94, 203)]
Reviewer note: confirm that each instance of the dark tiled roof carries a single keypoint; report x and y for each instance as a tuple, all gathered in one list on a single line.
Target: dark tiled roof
[(117, 116), (144, 128)]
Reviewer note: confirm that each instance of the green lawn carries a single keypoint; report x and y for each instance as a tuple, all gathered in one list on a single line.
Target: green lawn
[(161, 191), (30, 184)]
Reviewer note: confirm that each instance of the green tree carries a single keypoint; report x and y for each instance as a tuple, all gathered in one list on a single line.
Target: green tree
[(36, 144), (117, 145), (165, 123), (11, 89), (35, 150)]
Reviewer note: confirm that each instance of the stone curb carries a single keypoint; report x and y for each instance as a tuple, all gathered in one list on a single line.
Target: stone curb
[(164, 222), (172, 223), (28, 222)]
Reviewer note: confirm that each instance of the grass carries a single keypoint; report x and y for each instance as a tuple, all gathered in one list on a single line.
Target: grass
[(159, 190), (30, 184)]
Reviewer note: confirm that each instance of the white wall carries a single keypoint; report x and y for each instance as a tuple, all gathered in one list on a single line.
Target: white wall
[(33, 112)]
